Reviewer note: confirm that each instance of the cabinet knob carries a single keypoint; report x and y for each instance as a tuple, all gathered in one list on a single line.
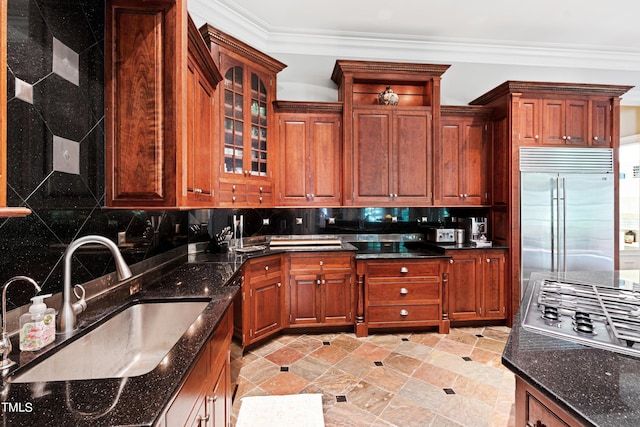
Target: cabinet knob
[(233, 199), (569, 138), (260, 190), (404, 312), (279, 284), (260, 199), (318, 282), (488, 259), (233, 188), (266, 267), (321, 263), (213, 398), (450, 261), (404, 291), (308, 196), (564, 137), (537, 137), (404, 270)]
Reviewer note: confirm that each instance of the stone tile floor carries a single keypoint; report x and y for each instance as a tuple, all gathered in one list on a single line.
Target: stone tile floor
[(405, 379)]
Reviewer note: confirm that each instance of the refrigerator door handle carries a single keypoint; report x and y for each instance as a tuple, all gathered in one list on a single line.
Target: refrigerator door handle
[(554, 222), (563, 199)]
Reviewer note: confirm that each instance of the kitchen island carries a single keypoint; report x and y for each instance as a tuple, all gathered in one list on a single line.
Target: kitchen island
[(560, 382)]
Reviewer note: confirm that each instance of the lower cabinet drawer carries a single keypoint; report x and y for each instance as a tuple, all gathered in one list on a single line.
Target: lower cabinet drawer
[(404, 313), (408, 292)]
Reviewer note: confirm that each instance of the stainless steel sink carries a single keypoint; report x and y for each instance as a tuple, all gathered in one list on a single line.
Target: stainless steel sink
[(131, 343)]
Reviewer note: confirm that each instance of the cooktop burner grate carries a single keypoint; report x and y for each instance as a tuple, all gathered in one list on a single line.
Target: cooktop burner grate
[(593, 315)]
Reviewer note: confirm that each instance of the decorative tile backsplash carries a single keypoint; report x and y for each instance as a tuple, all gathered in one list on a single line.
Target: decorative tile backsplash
[(55, 150)]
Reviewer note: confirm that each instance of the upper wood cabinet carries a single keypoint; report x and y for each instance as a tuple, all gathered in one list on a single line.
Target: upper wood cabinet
[(159, 86), (392, 161), (462, 159), (310, 152), (246, 152), (540, 113), (388, 148)]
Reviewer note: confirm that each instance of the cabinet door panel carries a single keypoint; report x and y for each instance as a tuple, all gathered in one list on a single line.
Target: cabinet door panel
[(529, 114), (336, 296), (402, 290), (464, 297), (293, 136), (576, 121), (326, 159), (601, 123), (553, 122), (411, 155), (305, 306), (372, 150), (493, 304), (474, 165), (267, 307), (448, 158), (406, 313)]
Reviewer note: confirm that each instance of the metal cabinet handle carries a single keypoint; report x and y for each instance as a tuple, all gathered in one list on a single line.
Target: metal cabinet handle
[(266, 267), (233, 188), (233, 199), (308, 196), (321, 263), (488, 259), (260, 190), (537, 137), (260, 199), (318, 282), (404, 291), (404, 270), (279, 284), (404, 312), (450, 261), (569, 138)]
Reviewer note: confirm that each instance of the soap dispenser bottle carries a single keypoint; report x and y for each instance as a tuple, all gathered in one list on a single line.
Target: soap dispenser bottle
[(38, 326)]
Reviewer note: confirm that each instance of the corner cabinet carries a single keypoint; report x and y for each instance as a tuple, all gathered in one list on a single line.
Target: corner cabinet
[(537, 410), (246, 149), (388, 149), (321, 289), (310, 145), (476, 284), (160, 83), (259, 305), (462, 160)]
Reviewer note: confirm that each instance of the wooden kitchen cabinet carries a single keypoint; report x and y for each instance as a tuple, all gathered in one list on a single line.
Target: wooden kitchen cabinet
[(518, 120), (400, 293), (536, 410), (476, 284), (205, 397), (247, 131), (321, 289), (260, 303), (388, 148), (392, 156), (462, 160), (310, 144), (158, 105)]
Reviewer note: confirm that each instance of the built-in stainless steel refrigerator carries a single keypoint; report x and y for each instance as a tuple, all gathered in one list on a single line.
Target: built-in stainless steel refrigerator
[(566, 210)]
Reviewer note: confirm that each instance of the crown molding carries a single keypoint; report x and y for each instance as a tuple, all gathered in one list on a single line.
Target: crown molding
[(252, 30)]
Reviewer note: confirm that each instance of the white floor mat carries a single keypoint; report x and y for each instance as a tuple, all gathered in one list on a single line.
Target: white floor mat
[(294, 410)]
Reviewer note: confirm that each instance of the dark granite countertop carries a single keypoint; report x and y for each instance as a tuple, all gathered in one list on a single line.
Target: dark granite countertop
[(140, 400), (132, 401), (599, 387)]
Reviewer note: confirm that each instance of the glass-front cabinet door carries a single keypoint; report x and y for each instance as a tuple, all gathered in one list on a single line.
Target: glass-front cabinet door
[(245, 123)]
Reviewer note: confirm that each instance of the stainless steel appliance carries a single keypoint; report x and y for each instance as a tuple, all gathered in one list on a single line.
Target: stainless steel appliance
[(475, 228), (441, 235), (566, 210), (600, 316)]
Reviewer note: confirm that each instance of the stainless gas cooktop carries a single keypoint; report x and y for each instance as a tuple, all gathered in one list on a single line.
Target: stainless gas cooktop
[(593, 315)]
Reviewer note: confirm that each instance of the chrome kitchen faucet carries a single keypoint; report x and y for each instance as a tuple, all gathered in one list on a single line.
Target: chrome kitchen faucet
[(66, 319)]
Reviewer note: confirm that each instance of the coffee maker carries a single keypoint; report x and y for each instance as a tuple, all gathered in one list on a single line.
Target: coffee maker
[(475, 229)]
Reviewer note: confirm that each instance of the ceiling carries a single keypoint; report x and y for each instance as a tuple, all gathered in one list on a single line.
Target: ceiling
[(586, 34)]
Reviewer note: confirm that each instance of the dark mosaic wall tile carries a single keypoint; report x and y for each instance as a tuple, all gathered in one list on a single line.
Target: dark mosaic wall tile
[(65, 205)]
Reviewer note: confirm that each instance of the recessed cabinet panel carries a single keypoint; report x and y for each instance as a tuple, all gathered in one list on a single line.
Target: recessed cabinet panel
[(412, 151), (326, 159), (293, 137), (372, 155)]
